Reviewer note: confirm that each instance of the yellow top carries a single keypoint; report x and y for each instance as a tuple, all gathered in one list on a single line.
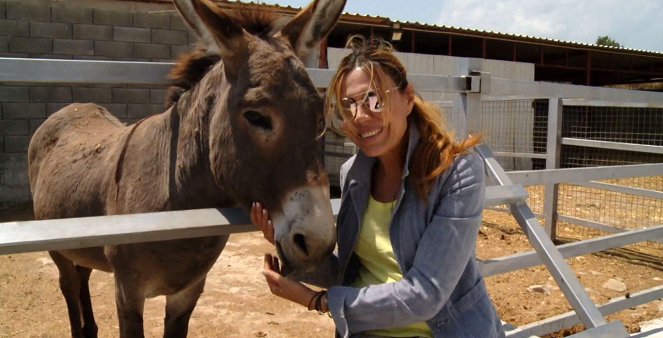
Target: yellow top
[(378, 262)]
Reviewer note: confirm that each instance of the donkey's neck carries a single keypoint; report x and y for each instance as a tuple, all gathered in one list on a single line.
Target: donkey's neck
[(193, 184)]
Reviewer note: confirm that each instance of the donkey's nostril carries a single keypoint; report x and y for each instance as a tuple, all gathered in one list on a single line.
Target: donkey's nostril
[(300, 241)]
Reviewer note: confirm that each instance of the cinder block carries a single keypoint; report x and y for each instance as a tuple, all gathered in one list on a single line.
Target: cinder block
[(93, 57), (18, 10), (131, 95), (151, 51), (169, 37), (50, 30), (3, 10), (93, 32), (14, 94), (92, 94), (54, 107), (23, 110), (16, 143), (14, 28), (71, 14), (157, 95), (50, 94), (14, 55), (176, 22), (14, 127), (4, 44), (14, 172), (31, 45), (51, 56), (73, 47), (131, 34), (152, 20), (177, 51), (34, 125), (156, 109), (193, 38), (118, 110), (138, 111), (113, 49), (113, 18)]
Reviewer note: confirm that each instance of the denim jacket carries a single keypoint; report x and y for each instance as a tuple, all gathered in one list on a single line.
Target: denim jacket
[(434, 245)]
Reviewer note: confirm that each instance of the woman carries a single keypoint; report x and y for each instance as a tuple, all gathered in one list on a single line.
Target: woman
[(411, 208)]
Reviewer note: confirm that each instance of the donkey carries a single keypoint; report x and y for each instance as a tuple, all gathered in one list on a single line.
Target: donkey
[(244, 126)]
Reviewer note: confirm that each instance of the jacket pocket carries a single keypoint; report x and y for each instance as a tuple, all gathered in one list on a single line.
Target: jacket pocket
[(472, 316)]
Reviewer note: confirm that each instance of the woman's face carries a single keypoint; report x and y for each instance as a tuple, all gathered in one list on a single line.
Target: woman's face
[(380, 125)]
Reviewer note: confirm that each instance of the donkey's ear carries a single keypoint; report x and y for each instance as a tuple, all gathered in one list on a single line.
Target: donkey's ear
[(220, 34), (312, 24)]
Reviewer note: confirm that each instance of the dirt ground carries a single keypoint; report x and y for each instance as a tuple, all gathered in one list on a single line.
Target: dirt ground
[(237, 302)]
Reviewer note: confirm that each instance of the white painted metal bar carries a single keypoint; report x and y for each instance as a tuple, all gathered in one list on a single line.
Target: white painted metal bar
[(24, 70), (498, 195), (499, 265), (573, 175), (75, 233), (519, 155), (569, 319), (535, 89), (548, 253), (27, 70), (612, 103), (642, 148), (598, 226), (553, 155), (623, 189), (82, 232)]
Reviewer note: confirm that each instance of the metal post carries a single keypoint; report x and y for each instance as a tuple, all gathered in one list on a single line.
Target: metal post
[(553, 151)]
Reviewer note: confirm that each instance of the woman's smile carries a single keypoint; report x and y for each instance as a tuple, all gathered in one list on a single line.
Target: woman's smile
[(371, 133)]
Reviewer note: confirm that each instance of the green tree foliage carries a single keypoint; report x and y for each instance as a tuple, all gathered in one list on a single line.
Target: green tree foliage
[(607, 41)]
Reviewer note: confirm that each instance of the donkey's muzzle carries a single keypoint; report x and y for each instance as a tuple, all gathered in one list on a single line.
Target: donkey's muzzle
[(305, 228)]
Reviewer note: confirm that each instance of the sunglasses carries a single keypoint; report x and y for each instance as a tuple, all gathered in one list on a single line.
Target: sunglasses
[(371, 100)]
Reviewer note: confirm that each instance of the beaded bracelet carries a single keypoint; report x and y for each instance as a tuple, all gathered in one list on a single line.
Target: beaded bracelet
[(313, 304)]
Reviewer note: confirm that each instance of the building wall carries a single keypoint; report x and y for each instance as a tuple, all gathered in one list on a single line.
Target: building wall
[(85, 30)]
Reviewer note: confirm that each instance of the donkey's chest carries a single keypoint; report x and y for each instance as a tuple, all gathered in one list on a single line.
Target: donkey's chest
[(170, 266)]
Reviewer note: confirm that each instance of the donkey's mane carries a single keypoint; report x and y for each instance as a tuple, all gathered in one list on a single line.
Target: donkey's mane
[(191, 67)]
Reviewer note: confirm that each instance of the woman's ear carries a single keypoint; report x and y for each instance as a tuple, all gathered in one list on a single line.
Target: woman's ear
[(409, 91)]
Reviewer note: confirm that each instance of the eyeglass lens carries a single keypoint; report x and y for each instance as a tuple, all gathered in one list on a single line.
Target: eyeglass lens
[(370, 100)]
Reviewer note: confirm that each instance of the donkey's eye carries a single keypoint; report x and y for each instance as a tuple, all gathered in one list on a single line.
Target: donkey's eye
[(258, 120)]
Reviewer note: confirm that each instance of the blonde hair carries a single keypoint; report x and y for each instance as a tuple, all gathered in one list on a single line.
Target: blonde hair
[(437, 148)]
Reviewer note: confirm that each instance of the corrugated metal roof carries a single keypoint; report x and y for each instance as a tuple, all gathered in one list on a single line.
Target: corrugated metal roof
[(442, 28), (479, 32)]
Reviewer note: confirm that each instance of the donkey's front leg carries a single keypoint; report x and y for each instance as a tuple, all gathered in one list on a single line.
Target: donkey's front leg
[(179, 307), (130, 301)]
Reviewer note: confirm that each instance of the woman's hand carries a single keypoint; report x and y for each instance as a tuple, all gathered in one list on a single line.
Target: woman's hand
[(260, 218), (284, 287)]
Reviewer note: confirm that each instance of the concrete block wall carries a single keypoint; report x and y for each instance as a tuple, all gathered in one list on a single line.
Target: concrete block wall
[(78, 29)]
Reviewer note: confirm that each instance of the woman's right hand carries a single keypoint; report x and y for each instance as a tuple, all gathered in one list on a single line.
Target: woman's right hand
[(260, 218)]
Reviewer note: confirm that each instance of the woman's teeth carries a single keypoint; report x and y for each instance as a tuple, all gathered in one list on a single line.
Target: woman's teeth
[(371, 133)]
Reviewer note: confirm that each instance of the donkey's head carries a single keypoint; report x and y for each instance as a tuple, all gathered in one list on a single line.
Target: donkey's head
[(265, 119)]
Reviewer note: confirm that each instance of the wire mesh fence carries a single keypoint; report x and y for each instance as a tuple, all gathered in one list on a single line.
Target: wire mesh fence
[(517, 131)]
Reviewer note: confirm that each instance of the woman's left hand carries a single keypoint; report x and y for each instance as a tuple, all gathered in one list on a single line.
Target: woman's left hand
[(260, 218), (282, 286)]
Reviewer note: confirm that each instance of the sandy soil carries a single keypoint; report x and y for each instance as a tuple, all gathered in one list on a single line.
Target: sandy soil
[(237, 303)]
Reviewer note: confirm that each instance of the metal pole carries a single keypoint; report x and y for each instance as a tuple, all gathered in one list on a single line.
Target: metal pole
[(553, 151)]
